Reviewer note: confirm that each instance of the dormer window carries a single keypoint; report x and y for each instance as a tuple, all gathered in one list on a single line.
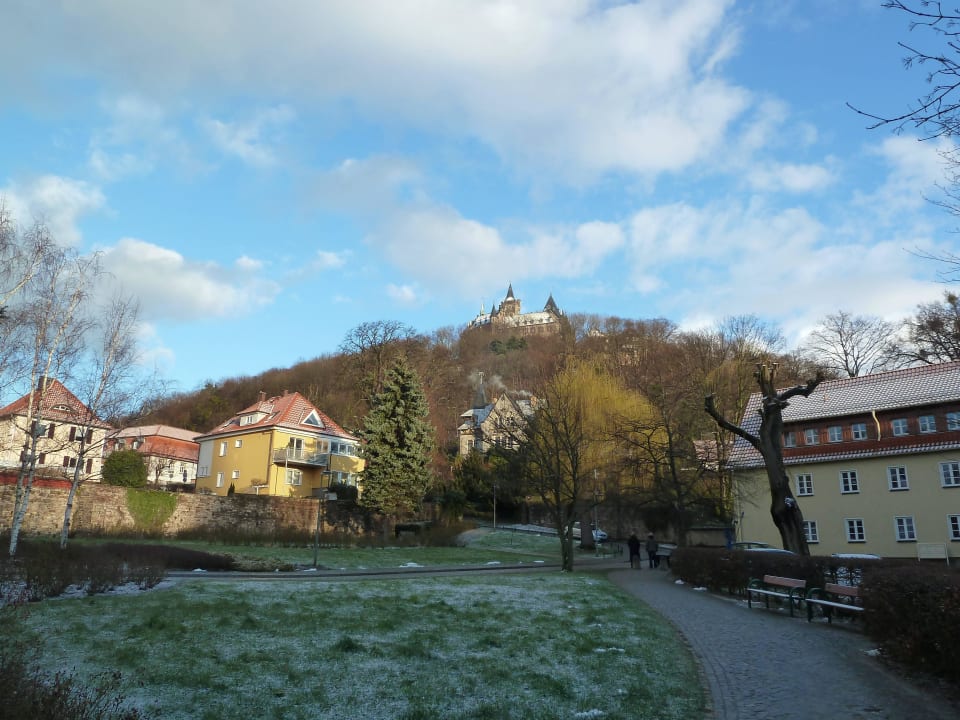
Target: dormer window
[(313, 419), (252, 418)]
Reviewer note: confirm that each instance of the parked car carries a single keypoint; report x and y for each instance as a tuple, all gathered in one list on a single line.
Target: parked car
[(748, 545), (600, 536)]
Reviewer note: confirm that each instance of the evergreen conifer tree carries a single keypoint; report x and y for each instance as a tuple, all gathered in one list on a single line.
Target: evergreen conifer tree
[(399, 444)]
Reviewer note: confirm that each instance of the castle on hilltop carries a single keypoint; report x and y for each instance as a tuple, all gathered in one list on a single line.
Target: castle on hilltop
[(507, 316)]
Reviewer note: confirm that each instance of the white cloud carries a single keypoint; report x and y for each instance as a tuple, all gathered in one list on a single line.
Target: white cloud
[(405, 294), (169, 286), (327, 260), (58, 202), (248, 264), (579, 86), (251, 140), (795, 178)]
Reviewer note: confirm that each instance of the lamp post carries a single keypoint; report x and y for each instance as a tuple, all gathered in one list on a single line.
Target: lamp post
[(494, 506), (321, 501)]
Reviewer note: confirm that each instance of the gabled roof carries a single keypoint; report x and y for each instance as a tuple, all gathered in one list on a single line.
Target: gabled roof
[(898, 389), (163, 431), (55, 403), (291, 411)]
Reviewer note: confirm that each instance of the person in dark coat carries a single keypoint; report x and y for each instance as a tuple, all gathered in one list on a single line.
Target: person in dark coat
[(652, 547), (633, 543)]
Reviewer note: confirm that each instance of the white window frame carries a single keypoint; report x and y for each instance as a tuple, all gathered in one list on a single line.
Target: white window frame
[(811, 436), (905, 529), (235, 475), (897, 478), (220, 479), (953, 527), (804, 484), (953, 421), (223, 448), (855, 530), (858, 431), (849, 482), (810, 531), (294, 476), (790, 439), (927, 424), (835, 434), (950, 474), (899, 427), (238, 443)]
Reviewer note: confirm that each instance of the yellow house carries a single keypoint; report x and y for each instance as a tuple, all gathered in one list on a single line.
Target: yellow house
[(278, 446), (874, 463)]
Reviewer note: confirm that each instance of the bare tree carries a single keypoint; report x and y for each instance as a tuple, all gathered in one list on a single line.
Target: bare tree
[(934, 332), (768, 441), (109, 382), (853, 345), (48, 309), (374, 346)]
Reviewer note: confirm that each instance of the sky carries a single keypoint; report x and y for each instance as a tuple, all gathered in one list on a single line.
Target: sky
[(264, 177)]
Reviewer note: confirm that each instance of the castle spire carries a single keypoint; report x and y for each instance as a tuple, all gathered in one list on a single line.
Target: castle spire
[(509, 292)]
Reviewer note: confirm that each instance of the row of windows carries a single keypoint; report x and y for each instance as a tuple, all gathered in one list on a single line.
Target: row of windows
[(76, 433), (337, 448), (68, 461), (858, 431), (896, 479), (904, 529), (235, 475)]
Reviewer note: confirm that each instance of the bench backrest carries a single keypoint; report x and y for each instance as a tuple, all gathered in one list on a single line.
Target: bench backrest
[(784, 581), (848, 590), (932, 551)]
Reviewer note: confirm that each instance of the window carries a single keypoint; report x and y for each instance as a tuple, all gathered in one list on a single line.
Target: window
[(950, 474), (899, 426), (42, 459), (219, 479), (235, 475), (849, 482), (858, 431), (811, 436), (810, 531), (927, 424), (953, 421), (905, 529), (897, 477), (73, 433), (89, 466), (953, 526), (790, 439), (855, 531), (294, 477), (835, 433), (69, 462), (238, 443), (223, 449), (804, 484)]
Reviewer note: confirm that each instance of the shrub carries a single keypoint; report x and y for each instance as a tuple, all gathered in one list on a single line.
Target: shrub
[(914, 612), (125, 468)]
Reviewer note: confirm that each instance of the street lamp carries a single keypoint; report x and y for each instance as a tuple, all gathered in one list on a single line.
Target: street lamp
[(322, 499), (494, 506)]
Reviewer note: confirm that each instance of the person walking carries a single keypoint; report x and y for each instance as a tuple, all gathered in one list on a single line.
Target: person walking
[(652, 547), (633, 543)]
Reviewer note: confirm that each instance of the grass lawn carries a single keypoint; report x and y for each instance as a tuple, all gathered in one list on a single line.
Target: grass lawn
[(544, 645)]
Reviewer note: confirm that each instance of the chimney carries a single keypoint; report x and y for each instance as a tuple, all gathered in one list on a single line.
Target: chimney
[(262, 396), (43, 382)]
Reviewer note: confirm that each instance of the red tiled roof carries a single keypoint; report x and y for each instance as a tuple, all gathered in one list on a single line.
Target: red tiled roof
[(285, 411), (161, 441), (911, 387), (57, 404)]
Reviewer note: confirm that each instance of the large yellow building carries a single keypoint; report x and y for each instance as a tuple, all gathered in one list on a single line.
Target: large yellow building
[(278, 446), (874, 463)]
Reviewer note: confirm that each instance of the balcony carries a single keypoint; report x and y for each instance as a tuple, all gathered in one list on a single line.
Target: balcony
[(301, 456)]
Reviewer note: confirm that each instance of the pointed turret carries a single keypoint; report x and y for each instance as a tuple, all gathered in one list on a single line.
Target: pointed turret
[(551, 306), (510, 292)]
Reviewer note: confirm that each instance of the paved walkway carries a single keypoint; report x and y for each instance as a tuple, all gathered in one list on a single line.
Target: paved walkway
[(761, 664)]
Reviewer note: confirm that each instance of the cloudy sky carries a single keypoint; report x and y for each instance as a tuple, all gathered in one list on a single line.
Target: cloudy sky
[(266, 176)]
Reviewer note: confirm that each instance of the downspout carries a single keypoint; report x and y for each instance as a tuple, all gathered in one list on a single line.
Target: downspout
[(269, 464), (873, 414)]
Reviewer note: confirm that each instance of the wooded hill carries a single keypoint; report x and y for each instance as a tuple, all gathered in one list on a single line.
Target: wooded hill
[(675, 370)]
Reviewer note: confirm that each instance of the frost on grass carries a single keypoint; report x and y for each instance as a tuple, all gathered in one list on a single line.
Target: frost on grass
[(491, 646)]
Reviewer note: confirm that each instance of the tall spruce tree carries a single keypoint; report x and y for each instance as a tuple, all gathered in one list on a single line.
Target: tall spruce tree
[(399, 445)]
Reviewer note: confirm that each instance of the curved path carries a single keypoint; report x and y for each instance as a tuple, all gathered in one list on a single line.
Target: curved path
[(761, 664)]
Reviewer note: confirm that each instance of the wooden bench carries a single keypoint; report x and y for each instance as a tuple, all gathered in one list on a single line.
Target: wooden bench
[(932, 551), (789, 589), (830, 596)]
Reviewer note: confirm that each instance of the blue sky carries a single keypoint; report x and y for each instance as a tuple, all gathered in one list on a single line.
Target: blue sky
[(266, 176)]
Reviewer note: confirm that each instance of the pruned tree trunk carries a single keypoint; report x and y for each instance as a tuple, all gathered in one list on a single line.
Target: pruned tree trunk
[(784, 508)]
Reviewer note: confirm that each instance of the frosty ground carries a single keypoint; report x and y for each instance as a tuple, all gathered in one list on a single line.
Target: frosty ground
[(538, 645)]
